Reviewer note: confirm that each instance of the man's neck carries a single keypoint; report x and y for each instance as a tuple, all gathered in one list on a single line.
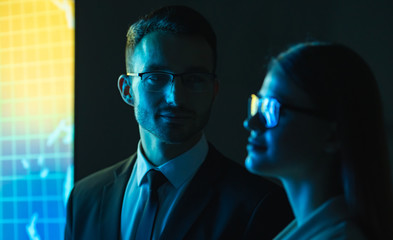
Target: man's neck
[(159, 152)]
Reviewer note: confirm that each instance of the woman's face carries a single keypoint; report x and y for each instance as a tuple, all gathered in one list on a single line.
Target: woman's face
[(297, 144)]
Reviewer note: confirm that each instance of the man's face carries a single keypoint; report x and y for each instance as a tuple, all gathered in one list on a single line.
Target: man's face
[(176, 114)]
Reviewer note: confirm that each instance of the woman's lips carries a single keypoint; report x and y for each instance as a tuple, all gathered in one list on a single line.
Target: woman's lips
[(255, 145)]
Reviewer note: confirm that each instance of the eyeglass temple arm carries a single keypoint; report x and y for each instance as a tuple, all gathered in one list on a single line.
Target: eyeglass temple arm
[(305, 110), (133, 74)]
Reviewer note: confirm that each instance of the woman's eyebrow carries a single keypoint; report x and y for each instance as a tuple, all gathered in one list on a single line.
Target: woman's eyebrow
[(280, 99)]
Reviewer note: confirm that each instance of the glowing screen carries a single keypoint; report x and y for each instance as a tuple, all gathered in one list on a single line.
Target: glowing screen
[(36, 117)]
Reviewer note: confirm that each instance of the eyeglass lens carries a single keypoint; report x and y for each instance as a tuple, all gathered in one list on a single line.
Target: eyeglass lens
[(268, 107), (195, 82)]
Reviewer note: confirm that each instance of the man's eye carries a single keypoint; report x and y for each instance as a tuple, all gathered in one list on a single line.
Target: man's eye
[(156, 78), (195, 78)]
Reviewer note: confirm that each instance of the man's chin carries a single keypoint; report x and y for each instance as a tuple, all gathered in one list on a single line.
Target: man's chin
[(180, 139), (176, 134)]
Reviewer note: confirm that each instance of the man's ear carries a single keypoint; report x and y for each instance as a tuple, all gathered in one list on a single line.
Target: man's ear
[(124, 85), (333, 142)]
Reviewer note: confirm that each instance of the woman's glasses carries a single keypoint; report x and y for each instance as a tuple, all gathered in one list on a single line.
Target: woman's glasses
[(269, 109)]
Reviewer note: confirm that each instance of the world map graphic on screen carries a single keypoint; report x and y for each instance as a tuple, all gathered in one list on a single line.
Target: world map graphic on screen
[(36, 117)]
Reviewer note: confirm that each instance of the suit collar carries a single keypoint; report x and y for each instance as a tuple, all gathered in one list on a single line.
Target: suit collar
[(195, 198), (177, 170), (112, 199), (193, 202)]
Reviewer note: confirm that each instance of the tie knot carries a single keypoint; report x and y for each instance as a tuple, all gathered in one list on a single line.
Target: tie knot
[(155, 179)]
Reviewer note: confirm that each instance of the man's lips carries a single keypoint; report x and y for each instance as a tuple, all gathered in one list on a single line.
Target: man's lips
[(175, 113), (176, 116)]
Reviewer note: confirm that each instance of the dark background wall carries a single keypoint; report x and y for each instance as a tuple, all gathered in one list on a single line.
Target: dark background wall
[(249, 33)]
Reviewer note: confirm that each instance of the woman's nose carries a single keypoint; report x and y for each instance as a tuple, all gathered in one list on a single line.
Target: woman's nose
[(254, 123)]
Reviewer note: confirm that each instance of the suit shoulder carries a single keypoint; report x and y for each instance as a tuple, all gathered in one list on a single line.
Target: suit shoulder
[(99, 179)]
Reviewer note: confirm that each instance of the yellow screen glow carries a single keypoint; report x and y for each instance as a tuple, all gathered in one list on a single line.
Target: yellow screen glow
[(36, 116)]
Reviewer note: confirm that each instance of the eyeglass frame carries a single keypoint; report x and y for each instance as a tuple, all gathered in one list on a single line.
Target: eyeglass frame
[(280, 106), (173, 75)]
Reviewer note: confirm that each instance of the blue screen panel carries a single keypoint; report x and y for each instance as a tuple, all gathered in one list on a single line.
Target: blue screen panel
[(36, 117)]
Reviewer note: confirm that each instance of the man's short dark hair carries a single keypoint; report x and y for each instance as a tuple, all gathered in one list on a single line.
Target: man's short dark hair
[(171, 19)]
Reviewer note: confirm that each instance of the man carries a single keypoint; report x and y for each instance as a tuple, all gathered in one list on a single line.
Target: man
[(170, 82)]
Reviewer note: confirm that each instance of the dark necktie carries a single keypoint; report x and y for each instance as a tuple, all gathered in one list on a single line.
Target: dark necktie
[(146, 224)]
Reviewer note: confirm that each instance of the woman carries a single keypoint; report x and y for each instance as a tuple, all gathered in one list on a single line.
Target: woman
[(316, 125)]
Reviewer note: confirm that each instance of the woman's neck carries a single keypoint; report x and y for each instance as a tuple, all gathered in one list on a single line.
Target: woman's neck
[(307, 194)]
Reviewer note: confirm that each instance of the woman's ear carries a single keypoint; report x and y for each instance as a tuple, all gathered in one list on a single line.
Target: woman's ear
[(124, 85), (333, 142)]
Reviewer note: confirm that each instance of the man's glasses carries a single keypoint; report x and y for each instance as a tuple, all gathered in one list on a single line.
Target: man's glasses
[(159, 81), (269, 109)]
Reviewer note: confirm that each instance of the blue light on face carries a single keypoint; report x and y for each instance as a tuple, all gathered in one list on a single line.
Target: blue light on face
[(270, 109)]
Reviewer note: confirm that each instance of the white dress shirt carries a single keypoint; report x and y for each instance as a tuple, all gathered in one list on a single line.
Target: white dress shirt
[(329, 221), (179, 172)]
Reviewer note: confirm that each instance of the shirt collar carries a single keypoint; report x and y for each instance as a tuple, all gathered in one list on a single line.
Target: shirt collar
[(332, 209), (177, 170), (329, 213)]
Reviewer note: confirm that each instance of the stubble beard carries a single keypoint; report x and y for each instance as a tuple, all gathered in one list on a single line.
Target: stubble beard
[(174, 134)]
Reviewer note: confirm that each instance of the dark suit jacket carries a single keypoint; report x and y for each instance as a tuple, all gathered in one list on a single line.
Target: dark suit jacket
[(222, 201)]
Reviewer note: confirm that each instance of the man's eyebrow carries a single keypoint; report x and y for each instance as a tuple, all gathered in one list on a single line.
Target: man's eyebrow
[(155, 67), (198, 69)]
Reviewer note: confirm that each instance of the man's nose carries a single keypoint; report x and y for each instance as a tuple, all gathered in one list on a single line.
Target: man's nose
[(176, 92)]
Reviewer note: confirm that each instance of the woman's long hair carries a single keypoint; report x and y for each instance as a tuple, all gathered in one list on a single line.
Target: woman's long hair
[(344, 89)]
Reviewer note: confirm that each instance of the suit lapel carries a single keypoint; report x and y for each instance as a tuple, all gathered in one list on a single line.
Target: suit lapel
[(195, 198), (112, 200)]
